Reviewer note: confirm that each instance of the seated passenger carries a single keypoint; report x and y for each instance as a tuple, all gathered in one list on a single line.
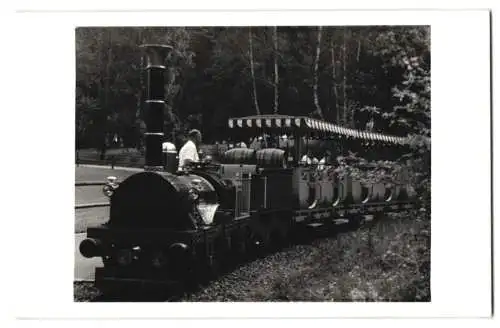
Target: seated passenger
[(255, 144), (241, 145), (306, 159), (283, 141), (325, 161)]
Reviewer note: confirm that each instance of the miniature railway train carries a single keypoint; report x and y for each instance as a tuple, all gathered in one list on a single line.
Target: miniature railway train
[(168, 226)]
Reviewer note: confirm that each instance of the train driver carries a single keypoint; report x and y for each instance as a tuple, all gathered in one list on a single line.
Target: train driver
[(189, 152)]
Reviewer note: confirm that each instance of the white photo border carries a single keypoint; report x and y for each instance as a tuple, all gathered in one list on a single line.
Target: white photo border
[(461, 210)]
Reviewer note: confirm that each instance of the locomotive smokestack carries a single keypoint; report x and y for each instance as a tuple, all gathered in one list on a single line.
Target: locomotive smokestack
[(155, 104)]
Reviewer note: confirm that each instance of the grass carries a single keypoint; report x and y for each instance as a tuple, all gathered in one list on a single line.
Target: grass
[(85, 291), (389, 262), (92, 217)]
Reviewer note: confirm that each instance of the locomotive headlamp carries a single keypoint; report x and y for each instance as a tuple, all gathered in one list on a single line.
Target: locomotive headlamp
[(108, 190), (110, 186)]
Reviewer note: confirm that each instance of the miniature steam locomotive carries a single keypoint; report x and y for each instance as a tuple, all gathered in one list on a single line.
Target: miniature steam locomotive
[(168, 226)]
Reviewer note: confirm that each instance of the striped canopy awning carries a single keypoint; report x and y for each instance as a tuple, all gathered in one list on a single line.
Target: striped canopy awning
[(306, 124)]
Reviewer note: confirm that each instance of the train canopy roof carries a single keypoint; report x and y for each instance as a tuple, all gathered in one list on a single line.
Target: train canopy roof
[(308, 125)]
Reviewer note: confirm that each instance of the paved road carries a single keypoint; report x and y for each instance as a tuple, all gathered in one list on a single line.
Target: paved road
[(84, 268), (85, 172), (93, 194)]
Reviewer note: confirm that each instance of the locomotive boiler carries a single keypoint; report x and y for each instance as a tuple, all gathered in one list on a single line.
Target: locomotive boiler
[(165, 227)]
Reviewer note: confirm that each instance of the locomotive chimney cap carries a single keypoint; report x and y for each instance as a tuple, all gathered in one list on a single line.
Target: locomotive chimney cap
[(156, 45), (157, 53)]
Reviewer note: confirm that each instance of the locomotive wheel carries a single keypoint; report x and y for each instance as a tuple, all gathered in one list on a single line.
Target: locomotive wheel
[(355, 222), (256, 245), (221, 256), (214, 262), (302, 234), (277, 241), (249, 242), (207, 269), (264, 243), (213, 267), (237, 247)]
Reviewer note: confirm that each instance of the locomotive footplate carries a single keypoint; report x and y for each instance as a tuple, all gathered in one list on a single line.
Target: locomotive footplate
[(141, 235)]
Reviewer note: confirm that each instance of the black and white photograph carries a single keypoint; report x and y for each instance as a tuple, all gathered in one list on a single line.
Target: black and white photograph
[(253, 164), (234, 166)]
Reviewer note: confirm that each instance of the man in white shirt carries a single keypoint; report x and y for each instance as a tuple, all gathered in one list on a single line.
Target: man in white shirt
[(189, 152)]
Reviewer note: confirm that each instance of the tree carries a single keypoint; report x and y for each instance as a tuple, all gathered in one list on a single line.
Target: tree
[(344, 85), (276, 76), (315, 84), (252, 69), (334, 83), (219, 72)]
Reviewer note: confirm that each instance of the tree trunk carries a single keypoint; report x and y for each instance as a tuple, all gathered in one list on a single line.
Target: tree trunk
[(359, 50), (276, 76), (169, 98), (315, 84), (141, 78), (105, 108), (344, 99), (334, 82), (252, 70), (353, 125), (140, 95)]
